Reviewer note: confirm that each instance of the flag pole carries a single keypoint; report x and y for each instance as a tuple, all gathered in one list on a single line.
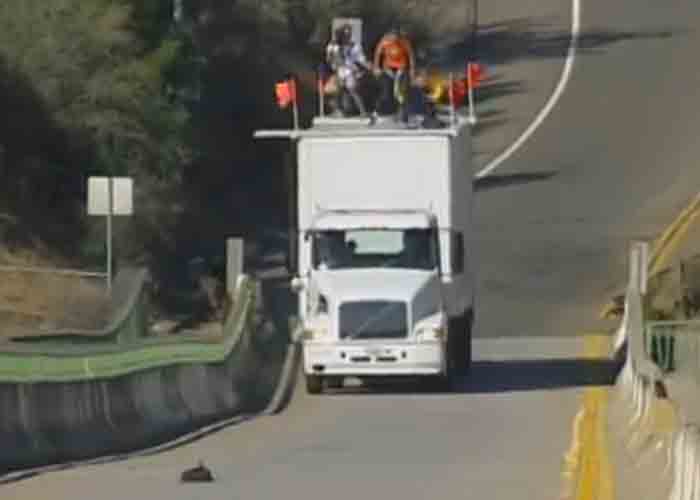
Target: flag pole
[(295, 108), (321, 97), (470, 88), (452, 99)]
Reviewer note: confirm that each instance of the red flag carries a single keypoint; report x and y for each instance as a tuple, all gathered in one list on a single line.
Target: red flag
[(475, 73), (286, 93), (459, 92)]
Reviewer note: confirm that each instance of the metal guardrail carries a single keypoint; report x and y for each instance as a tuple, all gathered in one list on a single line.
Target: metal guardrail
[(674, 345), (31, 364), (51, 270)]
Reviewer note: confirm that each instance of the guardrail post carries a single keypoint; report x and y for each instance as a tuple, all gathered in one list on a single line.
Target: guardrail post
[(639, 266), (234, 264), (633, 270), (643, 266)]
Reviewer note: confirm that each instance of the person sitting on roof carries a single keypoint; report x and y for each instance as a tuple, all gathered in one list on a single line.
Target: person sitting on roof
[(421, 101), (347, 60), (394, 63)]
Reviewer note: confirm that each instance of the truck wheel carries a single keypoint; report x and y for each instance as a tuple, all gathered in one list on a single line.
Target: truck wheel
[(438, 383), (314, 384), (458, 347), (468, 324), (446, 381)]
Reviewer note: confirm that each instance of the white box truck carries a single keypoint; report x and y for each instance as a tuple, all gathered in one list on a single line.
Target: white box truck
[(385, 262)]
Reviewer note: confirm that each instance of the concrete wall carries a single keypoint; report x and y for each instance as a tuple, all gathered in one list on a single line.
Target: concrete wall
[(45, 423)]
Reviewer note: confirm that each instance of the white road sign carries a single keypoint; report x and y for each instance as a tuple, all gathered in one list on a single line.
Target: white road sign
[(122, 196)]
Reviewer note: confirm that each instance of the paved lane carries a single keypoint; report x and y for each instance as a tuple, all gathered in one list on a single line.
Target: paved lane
[(379, 445), (617, 159)]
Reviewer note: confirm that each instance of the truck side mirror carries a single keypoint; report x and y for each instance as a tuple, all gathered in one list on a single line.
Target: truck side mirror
[(296, 284)]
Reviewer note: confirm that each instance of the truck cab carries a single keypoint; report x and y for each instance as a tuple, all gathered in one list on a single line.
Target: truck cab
[(371, 293)]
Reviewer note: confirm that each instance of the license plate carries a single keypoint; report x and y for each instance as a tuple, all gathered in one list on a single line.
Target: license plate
[(377, 351)]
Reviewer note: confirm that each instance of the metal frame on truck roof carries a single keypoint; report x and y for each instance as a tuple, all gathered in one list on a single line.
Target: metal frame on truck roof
[(348, 127)]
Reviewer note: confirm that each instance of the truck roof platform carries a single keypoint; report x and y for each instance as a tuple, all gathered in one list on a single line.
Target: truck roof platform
[(328, 126)]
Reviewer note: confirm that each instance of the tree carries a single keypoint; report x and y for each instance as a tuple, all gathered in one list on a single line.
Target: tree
[(90, 76), (97, 72)]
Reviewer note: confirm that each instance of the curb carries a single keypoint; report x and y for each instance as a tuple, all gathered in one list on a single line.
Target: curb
[(285, 388)]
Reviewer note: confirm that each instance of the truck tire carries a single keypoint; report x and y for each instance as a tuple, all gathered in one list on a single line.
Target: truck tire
[(458, 346), (468, 325), (446, 381), (439, 383), (314, 384)]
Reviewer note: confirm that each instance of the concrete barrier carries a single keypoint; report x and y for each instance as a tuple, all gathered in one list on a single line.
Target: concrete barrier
[(45, 423), (651, 367), (686, 465)]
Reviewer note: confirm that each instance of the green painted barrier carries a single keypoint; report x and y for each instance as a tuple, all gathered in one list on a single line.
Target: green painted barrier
[(108, 399), (661, 351), (125, 350), (674, 346)]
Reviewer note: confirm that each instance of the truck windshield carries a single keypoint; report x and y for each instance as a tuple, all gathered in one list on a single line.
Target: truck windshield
[(385, 248)]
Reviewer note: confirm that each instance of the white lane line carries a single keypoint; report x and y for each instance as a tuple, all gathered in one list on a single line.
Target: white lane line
[(553, 99)]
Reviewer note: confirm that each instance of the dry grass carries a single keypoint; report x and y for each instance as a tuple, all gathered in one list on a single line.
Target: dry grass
[(32, 303)]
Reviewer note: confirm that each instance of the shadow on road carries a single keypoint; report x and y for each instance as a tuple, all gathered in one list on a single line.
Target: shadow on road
[(497, 181), (513, 376), (526, 38), (506, 376), (493, 88)]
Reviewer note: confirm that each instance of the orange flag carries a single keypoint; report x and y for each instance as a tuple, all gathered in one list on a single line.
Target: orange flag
[(475, 73), (459, 92), (286, 93)]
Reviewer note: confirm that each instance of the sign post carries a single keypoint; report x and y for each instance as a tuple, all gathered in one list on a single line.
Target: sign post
[(470, 86), (110, 196)]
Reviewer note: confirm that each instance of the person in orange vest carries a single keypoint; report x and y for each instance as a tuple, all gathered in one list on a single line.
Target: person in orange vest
[(394, 64)]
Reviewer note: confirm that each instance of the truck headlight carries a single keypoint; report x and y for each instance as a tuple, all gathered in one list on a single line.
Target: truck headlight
[(315, 333), (428, 334)]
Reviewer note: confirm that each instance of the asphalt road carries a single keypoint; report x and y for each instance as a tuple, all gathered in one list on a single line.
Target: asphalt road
[(615, 160)]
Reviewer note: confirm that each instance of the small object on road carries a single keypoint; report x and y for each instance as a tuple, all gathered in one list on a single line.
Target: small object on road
[(199, 474), (660, 390)]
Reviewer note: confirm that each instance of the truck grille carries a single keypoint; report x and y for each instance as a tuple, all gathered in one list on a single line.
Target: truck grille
[(377, 319)]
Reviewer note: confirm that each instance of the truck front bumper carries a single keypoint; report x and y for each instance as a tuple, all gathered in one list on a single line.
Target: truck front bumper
[(374, 359)]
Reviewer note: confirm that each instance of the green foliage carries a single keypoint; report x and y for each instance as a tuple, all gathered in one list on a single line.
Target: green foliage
[(90, 62), (88, 87), (151, 19)]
